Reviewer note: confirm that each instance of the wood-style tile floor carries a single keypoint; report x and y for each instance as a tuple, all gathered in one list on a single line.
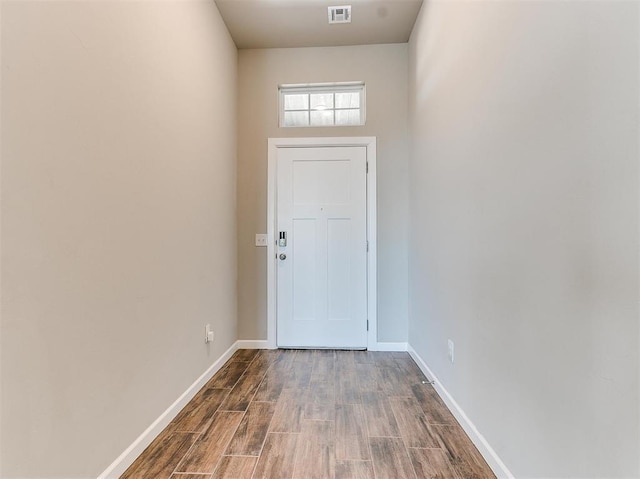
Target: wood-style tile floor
[(313, 414)]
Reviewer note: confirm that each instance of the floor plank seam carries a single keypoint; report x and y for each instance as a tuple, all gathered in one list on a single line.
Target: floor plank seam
[(185, 454), (266, 434), (226, 446)]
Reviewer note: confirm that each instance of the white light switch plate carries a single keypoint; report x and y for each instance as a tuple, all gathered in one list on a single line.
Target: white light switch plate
[(261, 240)]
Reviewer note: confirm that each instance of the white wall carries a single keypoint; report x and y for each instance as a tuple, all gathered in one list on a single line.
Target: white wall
[(118, 222), (524, 226), (384, 69)]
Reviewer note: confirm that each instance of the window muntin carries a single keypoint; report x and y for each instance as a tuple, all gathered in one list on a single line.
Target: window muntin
[(327, 104)]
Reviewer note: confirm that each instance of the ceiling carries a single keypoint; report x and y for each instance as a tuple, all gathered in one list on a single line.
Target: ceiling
[(303, 23)]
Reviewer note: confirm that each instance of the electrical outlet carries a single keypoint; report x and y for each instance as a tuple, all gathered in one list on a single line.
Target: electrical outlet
[(208, 334), (450, 351), (261, 240)]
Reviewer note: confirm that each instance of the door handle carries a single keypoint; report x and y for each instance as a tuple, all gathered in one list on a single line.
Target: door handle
[(283, 256)]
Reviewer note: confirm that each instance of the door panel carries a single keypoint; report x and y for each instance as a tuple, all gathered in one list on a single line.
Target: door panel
[(303, 262), (338, 266), (322, 282)]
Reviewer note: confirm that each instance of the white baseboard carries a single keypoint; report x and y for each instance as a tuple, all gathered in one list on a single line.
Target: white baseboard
[(117, 468), (489, 454), (388, 347), (252, 344), (264, 344)]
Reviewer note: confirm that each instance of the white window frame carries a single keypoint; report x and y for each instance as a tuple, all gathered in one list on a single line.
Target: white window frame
[(310, 88)]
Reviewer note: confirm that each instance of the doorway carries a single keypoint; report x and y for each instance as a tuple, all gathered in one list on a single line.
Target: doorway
[(321, 250)]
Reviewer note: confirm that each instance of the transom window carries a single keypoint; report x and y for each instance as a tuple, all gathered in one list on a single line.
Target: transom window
[(322, 104)]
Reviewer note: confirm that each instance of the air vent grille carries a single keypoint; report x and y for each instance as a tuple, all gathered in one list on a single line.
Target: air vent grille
[(341, 14)]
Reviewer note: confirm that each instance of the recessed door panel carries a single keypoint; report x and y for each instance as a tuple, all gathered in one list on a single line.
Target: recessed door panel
[(303, 261), (338, 268)]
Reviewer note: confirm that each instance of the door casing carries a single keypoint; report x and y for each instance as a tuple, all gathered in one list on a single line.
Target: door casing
[(369, 142)]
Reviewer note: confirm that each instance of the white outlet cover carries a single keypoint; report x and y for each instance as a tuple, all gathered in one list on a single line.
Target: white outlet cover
[(261, 239), (208, 334)]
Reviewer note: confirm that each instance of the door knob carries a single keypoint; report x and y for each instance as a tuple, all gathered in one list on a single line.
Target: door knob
[(283, 256)]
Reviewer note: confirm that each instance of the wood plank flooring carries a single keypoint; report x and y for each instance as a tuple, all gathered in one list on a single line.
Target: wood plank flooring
[(313, 414)]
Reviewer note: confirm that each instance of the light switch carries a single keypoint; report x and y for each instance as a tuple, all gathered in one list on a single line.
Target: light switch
[(261, 240)]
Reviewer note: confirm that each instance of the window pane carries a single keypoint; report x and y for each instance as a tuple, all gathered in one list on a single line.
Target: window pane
[(296, 102), (322, 118), (296, 118), (322, 104), (322, 101), (348, 100), (348, 117)]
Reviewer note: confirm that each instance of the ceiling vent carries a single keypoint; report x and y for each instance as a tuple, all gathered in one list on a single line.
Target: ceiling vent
[(340, 14)]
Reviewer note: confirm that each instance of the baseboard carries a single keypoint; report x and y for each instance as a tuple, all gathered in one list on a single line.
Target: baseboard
[(489, 454), (264, 344), (117, 468), (388, 347), (252, 344)]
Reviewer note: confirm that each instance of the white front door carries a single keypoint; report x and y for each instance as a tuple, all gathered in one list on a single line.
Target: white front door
[(321, 219)]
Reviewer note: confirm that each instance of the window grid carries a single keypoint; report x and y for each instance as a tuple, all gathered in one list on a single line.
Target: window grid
[(300, 99)]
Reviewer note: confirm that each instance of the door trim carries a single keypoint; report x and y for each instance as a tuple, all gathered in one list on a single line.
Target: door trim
[(369, 142)]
